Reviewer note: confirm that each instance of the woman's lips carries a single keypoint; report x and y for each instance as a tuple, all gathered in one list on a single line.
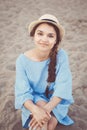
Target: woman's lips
[(43, 44)]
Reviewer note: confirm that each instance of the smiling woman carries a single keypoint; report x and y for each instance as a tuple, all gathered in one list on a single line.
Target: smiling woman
[(43, 87)]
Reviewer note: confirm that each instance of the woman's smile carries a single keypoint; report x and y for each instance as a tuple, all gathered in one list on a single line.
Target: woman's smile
[(44, 44)]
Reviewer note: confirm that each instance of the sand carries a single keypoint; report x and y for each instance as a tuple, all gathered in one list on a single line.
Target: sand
[(15, 15)]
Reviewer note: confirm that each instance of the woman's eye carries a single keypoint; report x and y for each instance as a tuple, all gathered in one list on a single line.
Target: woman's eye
[(40, 34), (51, 36)]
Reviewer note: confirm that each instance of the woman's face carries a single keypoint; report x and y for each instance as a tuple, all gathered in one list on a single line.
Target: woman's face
[(45, 37)]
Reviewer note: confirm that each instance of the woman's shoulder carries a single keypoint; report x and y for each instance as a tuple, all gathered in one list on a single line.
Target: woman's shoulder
[(24, 55), (62, 52), (62, 55)]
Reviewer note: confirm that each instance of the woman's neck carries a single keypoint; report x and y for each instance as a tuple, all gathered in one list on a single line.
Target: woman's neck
[(41, 55)]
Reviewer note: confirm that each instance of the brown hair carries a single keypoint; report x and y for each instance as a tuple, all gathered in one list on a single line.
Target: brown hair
[(52, 55)]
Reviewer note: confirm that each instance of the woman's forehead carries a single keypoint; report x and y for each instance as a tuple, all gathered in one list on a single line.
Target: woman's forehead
[(45, 27)]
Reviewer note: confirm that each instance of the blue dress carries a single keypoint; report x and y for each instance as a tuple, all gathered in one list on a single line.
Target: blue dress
[(31, 82)]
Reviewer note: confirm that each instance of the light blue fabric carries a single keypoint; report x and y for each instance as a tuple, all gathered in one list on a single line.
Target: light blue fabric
[(31, 83)]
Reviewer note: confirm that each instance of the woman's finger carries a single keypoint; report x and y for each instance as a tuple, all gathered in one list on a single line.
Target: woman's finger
[(40, 124), (33, 124), (45, 119), (36, 127), (43, 122), (49, 115), (32, 120)]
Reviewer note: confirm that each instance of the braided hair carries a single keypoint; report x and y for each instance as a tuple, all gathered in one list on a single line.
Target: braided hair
[(53, 58), (53, 62)]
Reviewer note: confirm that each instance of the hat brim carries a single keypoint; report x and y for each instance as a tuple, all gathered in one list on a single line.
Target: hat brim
[(34, 23)]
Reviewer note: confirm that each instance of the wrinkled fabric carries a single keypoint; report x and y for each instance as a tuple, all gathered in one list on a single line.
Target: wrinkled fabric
[(31, 82)]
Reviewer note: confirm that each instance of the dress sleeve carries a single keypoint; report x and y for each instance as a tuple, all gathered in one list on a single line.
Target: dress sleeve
[(63, 83), (23, 90)]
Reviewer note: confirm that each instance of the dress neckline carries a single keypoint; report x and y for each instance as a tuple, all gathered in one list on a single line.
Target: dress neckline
[(29, 59)]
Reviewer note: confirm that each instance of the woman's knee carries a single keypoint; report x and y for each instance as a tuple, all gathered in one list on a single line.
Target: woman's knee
[(52, 124)]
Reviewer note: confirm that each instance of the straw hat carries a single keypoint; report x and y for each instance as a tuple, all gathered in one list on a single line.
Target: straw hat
[(47, 18)]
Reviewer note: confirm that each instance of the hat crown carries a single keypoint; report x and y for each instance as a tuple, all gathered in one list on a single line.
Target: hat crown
[(49, 17)]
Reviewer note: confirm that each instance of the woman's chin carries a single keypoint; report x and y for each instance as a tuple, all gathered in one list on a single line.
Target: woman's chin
[(44, 49)]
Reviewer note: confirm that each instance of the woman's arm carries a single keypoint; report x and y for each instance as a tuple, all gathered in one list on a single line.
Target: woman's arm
[(39, 114), (48, 108), (30, 106), (23, 89), (52, 103)]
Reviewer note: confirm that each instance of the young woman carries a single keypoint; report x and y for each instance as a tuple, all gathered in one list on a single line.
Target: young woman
[(43, 88)]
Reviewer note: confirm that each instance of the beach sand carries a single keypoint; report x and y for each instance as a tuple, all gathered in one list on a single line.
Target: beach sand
[(15, 15)]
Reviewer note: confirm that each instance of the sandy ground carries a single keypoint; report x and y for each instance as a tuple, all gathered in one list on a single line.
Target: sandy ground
[(15, 15)]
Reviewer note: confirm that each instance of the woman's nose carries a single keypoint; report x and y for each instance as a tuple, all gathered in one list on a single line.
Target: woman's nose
[(44, 38)]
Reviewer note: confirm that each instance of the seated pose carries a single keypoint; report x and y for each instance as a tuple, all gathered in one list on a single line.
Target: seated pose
[(43, 86)]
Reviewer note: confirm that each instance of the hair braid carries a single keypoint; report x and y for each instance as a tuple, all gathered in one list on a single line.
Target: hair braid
[(51, 68), (52, 64)]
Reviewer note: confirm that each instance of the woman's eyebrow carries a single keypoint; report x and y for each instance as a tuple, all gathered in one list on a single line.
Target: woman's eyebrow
[(39, 31), (51, 34), (48, 33)]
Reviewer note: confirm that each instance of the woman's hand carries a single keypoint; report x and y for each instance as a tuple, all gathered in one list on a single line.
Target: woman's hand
[(39, 117), (34, 125)]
